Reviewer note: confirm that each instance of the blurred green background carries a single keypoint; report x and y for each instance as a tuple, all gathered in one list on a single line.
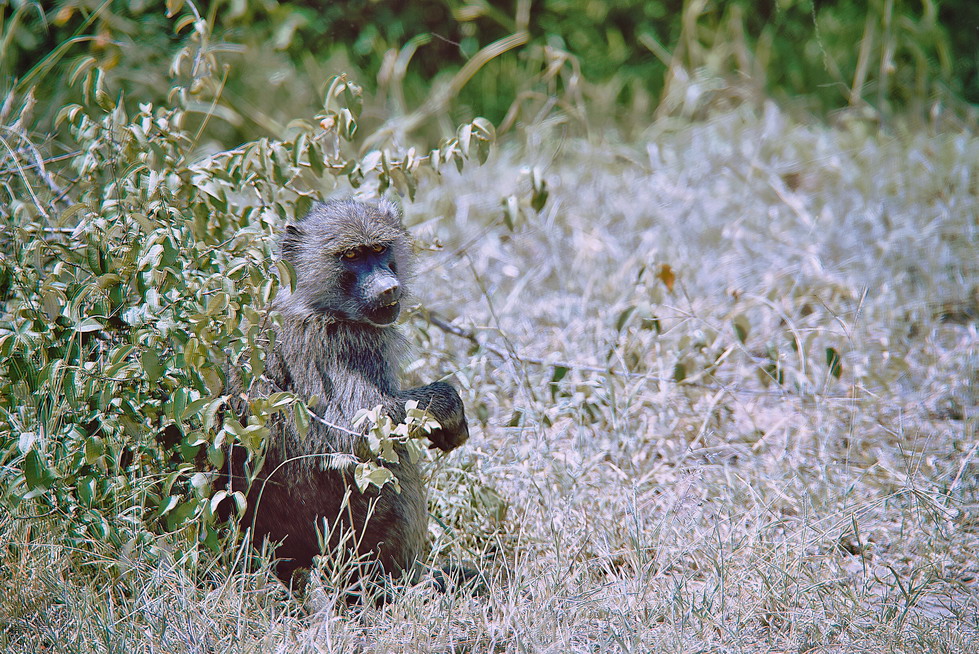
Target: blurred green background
[(604, 63)]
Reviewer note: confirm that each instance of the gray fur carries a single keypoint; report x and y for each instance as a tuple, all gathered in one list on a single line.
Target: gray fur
[(333, 347)]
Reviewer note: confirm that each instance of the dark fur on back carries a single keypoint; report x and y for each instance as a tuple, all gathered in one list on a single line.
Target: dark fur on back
[(327, 352)]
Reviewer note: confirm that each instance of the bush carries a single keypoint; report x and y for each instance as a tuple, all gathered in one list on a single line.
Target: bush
[(129, 289)]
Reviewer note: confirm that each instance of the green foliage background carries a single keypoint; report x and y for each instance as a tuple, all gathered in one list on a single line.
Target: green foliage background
[(889, 55)]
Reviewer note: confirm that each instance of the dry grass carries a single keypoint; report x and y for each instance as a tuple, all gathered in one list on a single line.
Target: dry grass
[(616, 509)]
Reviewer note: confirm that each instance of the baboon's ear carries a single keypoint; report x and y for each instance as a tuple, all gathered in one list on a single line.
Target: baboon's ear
[(393, 210), (291, 239)]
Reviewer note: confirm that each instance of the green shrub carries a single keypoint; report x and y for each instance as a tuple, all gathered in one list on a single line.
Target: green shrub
[(132, 276)]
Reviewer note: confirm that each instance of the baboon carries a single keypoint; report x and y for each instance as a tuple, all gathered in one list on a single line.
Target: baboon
[(338, 347)]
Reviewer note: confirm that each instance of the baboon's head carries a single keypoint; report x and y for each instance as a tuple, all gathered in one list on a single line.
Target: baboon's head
[(351, 261)]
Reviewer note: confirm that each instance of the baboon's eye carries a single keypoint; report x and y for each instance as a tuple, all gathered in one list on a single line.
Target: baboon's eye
[(350, 255), (379, 248)]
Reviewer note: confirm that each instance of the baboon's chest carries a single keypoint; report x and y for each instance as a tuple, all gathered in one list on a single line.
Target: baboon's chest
[(343, 368)]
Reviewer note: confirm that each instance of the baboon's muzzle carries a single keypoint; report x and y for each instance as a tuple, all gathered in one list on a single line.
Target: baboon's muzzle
[(384, 300)]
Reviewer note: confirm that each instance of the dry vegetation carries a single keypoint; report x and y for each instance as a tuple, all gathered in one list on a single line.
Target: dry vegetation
[(761, 504)]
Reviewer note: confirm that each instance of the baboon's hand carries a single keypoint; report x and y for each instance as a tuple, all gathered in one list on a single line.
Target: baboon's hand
[(444, 405)]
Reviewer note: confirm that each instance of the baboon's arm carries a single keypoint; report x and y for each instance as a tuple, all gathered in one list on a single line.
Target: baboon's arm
[(444, 405)]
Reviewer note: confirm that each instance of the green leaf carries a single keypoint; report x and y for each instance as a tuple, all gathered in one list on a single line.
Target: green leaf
[(210, 414), (415, 451), (353, 97), (465, 138), (315, 158), (182, 513), (88, 325), (279, 401), (36, 472), (387, 452), (26, 441), (361, 477), (178, 403), (484, 129), (741, 327), (297, 149), (199, 481), (401, 183), (218, 303), (211, 540), (51, 301), (304, 203), (623, 318), (348, 124), (215, 456), (366, 475), (538, 187), (94, 449), (187, 451), (371, 161), (301, 413), (119, 354), (102, 97), (539, 198), (557, 376), (166, 506), (86, 490), (482, 152), (7, 344), (194, 408), (834, 362), (253, 436), (212, 379)]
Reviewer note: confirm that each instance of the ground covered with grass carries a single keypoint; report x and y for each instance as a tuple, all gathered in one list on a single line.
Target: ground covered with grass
[(723, 394)]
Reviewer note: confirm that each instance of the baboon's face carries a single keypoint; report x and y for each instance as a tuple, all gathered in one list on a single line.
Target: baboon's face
[(369, 281), (352, 260)]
